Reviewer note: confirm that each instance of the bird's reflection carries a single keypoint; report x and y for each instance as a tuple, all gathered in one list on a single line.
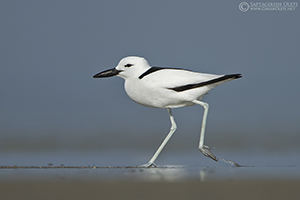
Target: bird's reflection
[(172, 173)]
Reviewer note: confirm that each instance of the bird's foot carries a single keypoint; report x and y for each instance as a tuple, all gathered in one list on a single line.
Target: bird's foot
[(205, 150), (148, 165), (234, 164)]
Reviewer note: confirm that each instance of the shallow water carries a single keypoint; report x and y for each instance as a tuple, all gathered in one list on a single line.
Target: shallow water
[(171, 166)]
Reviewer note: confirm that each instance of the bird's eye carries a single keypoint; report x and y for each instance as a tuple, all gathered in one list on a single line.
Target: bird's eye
[(128, 65)]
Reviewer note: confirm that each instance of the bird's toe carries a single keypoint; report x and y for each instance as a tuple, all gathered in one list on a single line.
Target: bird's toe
[(147, 165), (205, 151)]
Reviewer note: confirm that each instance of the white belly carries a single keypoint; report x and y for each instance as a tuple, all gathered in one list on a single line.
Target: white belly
[(153, 96)]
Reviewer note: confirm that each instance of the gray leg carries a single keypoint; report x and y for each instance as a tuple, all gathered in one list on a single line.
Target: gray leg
[(163, 144), (203, 148)]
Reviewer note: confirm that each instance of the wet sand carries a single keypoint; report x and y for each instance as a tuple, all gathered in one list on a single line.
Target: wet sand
[(177, 182), (73, 190), (39, 177)]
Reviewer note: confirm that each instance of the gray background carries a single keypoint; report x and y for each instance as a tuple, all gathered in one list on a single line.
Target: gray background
[(51, 49)]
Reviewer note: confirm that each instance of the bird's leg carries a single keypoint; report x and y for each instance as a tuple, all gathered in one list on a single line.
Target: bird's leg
[(172, 130), (203, 148)]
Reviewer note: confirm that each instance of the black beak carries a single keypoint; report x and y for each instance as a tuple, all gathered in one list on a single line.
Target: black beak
[(107, 73)]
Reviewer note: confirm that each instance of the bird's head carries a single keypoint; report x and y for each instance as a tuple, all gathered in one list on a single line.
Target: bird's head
[(128, 67)]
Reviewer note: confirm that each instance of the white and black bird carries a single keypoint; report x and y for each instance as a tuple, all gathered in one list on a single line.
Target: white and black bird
[(161, 87)]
